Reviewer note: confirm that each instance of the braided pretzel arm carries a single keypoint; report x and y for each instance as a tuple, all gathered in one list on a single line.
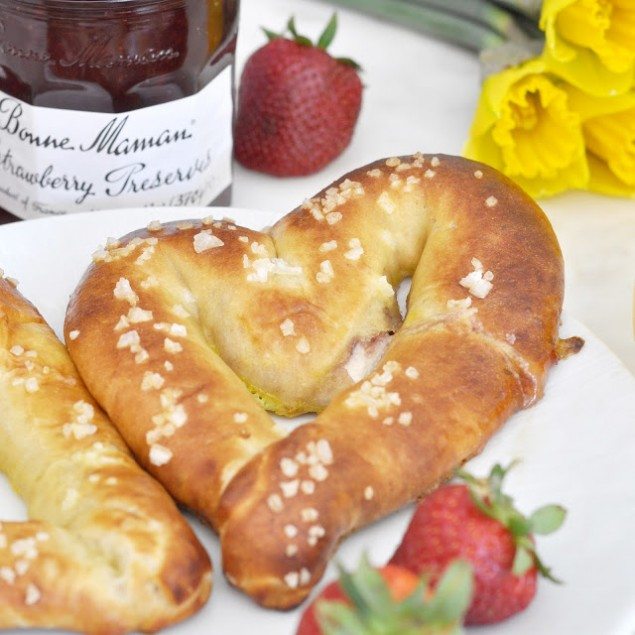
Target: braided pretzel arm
[(107, 551), (301, 314)]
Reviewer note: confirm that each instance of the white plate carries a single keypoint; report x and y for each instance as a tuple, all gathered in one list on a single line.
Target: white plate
[(577, 447)]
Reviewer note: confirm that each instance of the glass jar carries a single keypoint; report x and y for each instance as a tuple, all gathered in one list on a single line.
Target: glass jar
[(115, 103)]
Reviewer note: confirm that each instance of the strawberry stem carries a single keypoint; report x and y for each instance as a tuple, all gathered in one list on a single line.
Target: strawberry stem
[(488, 496), (324, 41), (373, 611), (300, 39)]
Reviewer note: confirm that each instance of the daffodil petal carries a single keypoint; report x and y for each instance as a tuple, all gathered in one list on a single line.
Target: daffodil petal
[(556, 46), (591, 43), (588, 106), (525, 128), (587, 73), (603, 181)]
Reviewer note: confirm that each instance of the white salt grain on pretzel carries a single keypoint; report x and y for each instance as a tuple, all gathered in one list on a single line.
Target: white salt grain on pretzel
[(177, 324), (106, 551)]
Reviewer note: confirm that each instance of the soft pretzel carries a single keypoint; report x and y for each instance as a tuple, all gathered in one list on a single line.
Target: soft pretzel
[(106, 551), (172, 327)]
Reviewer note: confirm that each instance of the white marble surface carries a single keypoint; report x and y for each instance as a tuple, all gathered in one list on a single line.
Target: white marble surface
[(420, 95)]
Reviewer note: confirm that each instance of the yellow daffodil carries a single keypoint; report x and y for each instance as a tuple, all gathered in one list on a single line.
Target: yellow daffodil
[(609, 131), (591, 43), (524, 126)]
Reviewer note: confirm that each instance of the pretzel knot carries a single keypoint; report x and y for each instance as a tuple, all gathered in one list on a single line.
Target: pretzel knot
[(107, 550), (176, 328)]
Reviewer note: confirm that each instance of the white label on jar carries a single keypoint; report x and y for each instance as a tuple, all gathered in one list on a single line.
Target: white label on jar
[(56, 161)]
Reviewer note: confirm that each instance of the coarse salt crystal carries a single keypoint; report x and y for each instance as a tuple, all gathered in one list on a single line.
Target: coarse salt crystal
[(386, 203), (289, 467), (309, 514), (324, 451), (290, 531), (478, 282), (328, 246), (405, 418), (333, 217), (318, 472), (32, 595), (171, 346), (307, 487), (152, 381), (303, 346), (205, 240), (326, 272), (287, 328), (491, 201), (292, 579), (291, 550), (73, 335), (290, 488), (160, 455), (137, 315), (128, 340), (411, 372), (31, 385), (369, 493), (123, 291), (275, 503), (240, 417), (78, 430), (356, 250)]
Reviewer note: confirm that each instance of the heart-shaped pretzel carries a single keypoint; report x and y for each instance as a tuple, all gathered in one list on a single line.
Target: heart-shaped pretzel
[(173, 326), (106, 550)]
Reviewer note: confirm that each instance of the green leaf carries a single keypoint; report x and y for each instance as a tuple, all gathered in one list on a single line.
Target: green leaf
[(547, 519), (453, 594), (544, 570), (347, 61), (299, 39), (336, 618), (329, 33), (367, 589), (271, 35), (517, 524), (523, 561)]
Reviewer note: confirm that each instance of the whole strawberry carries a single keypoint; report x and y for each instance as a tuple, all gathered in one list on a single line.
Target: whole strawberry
[(476, 521), (297, 105), (390, 601)]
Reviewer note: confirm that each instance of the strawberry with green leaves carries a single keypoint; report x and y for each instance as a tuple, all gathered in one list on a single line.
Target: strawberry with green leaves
[(390, 601), (477, 522), (297, 105)]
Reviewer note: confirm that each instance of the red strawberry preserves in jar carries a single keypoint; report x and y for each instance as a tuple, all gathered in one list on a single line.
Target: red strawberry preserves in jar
[(115, 103)]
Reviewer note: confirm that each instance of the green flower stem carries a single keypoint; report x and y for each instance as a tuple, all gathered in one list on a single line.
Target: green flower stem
[(530, 8), (421, 17), (483, 12)]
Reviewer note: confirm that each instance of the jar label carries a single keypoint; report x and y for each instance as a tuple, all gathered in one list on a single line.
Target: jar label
[(55, 162)]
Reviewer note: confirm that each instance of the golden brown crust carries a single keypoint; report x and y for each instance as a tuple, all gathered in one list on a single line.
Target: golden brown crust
[(109, 552), (301, 314)]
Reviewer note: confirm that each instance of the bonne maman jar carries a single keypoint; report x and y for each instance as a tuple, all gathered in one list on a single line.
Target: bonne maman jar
[(115, 103)]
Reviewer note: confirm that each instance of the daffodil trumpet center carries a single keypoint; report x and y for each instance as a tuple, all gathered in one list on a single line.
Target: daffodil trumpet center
[(606, 27), (536, 131)]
